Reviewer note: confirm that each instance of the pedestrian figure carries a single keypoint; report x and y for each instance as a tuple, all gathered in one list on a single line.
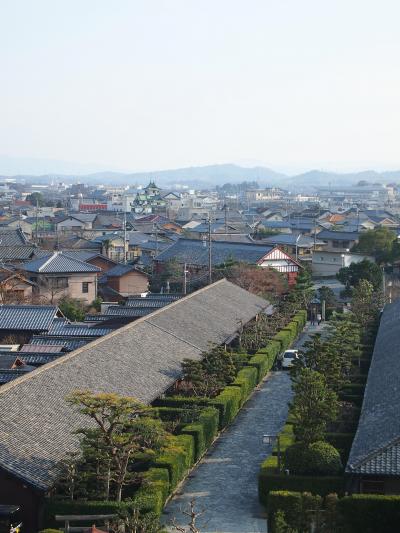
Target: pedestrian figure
[(319, 319)]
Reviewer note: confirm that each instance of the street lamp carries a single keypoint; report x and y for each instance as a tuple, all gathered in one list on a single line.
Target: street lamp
[(270, 441)]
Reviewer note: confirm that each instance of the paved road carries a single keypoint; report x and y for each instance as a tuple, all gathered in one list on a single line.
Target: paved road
[(224, 484)]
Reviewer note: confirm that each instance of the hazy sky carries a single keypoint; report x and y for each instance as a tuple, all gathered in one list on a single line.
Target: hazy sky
[(152, 84)]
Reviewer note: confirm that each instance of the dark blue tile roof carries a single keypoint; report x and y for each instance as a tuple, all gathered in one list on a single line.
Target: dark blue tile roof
[(375, 448), (338, 235), (195, 252), (58, 263), (27, 317)]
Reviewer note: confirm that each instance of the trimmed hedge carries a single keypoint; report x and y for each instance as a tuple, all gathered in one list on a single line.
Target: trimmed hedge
[(370, 513), (342, 442), (154, 491), (177, 458), (272, 348), (317, 459), (295, 506), (270, 480), (203, 430), (262, 363), (246, 379), (284, 337), (228, 402), (356, 389), (57, 507)]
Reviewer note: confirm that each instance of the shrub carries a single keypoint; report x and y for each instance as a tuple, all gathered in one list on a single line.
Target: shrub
[(273, 348), (284, 337), (270, 480), (151, 496), (57, 507), (196, 431), (175, 459), (209, 419), (246, 380), (286, 501), (342, 442), (318, 458), (370, 513), (295, 507), (228, 401)]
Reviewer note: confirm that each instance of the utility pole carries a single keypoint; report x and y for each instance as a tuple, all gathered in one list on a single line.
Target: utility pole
[(125, 247), (184, 279), (209, 252), (37, 218), (156, 230), (225, 218)]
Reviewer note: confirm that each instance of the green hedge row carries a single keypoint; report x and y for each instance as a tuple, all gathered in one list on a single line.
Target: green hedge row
[(203, 430), (56, 507), (359, 513), (247, 380), (295, 505), (342, 442), (154, 491), (228, 403), (269, 481), (370, 513), (177, 458)]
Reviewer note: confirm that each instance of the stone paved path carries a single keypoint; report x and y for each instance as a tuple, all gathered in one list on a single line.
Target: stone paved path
[(224, 484)]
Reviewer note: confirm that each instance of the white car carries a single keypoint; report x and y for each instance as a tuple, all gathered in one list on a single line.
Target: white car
[(288, 358)]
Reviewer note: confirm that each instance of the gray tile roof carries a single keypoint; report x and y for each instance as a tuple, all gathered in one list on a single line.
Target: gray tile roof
[(375, 447), (67, 344), (17, 253), (289, 239), (27, 317), (62, 328), (12, 237), (120, 270), (121, 310), (9, 375), (141, 359), (194, 252), (58, 263), (338, 235)]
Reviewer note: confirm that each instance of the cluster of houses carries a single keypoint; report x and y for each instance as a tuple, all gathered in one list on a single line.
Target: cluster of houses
[(84, 242)]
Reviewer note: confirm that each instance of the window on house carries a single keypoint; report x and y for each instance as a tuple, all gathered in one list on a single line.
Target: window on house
[(56, 283), (85, 287)]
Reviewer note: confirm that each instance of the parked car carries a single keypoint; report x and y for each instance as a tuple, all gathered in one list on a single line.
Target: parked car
[(288, 358)]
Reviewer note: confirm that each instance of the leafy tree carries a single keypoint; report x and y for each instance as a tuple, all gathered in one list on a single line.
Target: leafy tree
[(123, 428), (377, 242), (313, 406), (351, 275), (303, 291), (366, 304), (212, 373), (171, 273), (72, 308), (257, 280), (36, 198), (327, 294), (332, 355), (318, 458)]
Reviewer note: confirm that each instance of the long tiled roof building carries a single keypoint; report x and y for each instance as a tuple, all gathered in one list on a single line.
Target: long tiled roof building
[(374, 461), (142, 359)]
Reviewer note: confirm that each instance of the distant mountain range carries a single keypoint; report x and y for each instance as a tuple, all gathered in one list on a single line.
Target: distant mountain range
[(199, 177)]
